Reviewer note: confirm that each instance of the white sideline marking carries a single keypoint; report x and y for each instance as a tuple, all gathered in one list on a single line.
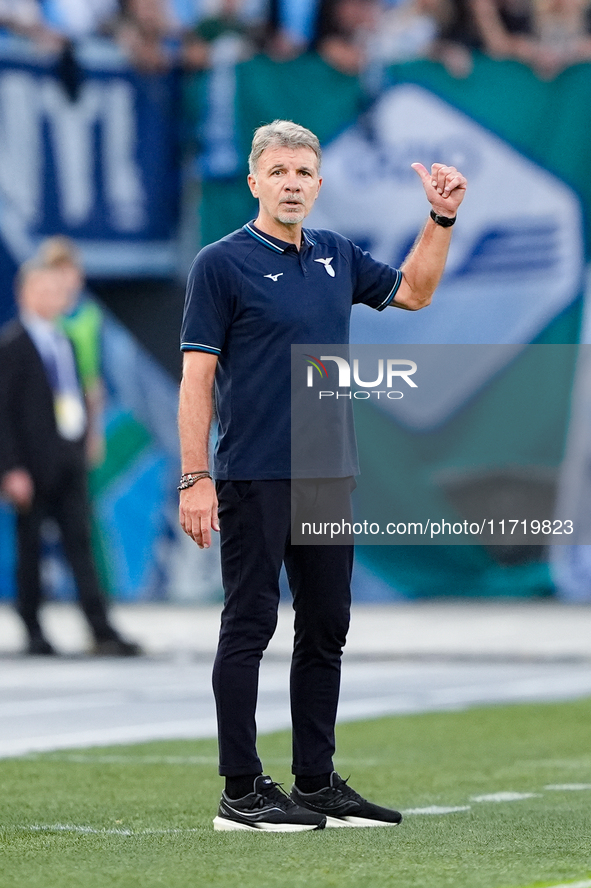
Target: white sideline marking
[(505, 797), (574, 787), (89, 830), (586, 884), (436, 809)]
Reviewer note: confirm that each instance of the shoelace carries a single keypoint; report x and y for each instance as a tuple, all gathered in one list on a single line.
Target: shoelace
[(274, 792), (347, 790)]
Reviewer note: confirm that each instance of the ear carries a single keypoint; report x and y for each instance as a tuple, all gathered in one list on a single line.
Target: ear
[(252, 184)]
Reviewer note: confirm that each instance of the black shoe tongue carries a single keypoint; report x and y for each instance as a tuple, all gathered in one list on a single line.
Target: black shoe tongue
[(266, 781)]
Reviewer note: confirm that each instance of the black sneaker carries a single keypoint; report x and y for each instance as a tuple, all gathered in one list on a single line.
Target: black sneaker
[(268, 809), (115, 647), (343, 806), (39, 646)]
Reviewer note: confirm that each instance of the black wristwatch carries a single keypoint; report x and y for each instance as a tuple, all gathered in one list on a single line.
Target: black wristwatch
[(444, 221)]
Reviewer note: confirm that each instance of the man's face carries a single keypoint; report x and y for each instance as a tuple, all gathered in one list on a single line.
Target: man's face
[(286, 184), (44, 294)]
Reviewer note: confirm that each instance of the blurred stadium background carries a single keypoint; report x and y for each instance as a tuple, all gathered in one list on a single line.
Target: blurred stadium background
[(130, 135)]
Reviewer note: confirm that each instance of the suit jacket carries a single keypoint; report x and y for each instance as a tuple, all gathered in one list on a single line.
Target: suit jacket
[(28, 432)]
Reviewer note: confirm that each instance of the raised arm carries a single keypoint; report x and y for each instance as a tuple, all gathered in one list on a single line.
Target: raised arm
[(198, 508), (445, 188)]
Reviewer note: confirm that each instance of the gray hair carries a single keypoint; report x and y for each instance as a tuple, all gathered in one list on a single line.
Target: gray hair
[(281, 134), (58, 251)]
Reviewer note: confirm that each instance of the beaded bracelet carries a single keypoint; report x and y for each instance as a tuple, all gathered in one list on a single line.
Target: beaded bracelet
[(190, 478)]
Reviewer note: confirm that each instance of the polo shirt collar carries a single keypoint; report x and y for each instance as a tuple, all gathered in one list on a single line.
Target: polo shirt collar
[(273, 243)]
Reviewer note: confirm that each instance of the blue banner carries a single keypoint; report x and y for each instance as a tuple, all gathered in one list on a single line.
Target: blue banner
[(102, 167)]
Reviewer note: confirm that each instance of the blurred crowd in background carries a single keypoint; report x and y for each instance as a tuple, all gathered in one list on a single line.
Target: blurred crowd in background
[(351, 35)]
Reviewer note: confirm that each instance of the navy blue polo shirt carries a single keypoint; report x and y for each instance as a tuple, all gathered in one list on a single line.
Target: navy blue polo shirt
[(250, 297)]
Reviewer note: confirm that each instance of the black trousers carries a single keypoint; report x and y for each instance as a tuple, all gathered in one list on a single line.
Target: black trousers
[(255, 520), (68, 503)]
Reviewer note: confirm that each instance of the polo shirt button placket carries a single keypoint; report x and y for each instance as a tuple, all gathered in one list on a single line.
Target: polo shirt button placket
[(303, 264)]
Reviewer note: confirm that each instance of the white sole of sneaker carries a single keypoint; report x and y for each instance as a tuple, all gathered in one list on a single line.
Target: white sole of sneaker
[(222, 824), (338, 822)]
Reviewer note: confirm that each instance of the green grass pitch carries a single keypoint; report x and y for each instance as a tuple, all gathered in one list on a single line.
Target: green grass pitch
[(140, 816)]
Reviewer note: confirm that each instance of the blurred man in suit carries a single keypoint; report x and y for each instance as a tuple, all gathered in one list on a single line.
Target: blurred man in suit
[(43, 425), (83, 326)]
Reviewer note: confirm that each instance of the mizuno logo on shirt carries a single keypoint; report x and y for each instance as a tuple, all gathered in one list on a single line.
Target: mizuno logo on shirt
[(275, 276), (327, 266)]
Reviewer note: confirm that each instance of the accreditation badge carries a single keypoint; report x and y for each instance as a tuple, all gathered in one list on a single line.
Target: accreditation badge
[(70, 416)]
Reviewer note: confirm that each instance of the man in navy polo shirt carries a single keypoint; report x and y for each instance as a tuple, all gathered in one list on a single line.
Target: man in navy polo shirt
[(250, 296)]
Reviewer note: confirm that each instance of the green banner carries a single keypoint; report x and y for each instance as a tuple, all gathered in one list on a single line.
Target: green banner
[(546, 121)]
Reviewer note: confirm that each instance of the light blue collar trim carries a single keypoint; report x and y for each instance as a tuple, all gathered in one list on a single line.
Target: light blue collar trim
[(262, 239)]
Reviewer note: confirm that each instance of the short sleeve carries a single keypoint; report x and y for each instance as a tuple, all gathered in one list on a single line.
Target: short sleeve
[(208, 303), (375, 283)]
